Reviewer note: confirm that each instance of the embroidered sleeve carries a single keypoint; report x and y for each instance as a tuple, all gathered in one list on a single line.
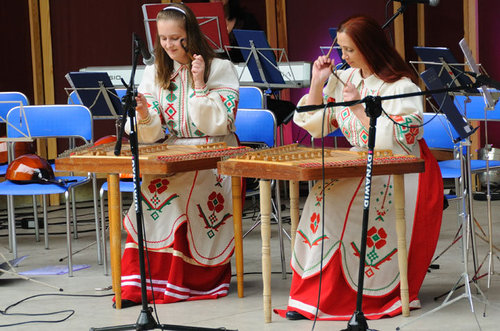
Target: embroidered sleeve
[(407, 112), (213, 108), (311, 121)]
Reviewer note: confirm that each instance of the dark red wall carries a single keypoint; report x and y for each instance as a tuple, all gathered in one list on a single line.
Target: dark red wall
[(15, 57)]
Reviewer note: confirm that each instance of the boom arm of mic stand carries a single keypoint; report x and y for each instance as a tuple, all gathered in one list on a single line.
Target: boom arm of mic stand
[(307, 108), (400, 11)]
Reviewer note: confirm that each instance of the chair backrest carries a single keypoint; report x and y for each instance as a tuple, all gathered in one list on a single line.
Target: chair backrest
[(437, 132), (256, 126), (475, 109), (251, 97), (50, 121), (9, 100)]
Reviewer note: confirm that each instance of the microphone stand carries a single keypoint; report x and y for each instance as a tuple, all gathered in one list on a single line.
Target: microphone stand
[(373, 110), (145, 320)]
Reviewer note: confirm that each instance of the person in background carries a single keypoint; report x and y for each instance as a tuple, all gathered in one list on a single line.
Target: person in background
[(239, 19), (187, 216), (378, 70)]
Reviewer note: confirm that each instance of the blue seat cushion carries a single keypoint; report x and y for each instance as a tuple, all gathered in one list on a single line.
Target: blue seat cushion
[(451, 168), (125, 186), (9, 188)]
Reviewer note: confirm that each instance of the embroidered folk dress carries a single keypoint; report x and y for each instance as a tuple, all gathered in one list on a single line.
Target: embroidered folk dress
[(343, 205), (187, 216)]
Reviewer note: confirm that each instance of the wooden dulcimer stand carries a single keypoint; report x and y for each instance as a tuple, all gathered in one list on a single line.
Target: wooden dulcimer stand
[(295, 163), (153, 160)]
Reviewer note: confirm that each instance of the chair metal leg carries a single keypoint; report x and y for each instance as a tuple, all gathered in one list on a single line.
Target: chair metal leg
[(73, 207), (103, 233), (12, 223), (35, 218), (10, 211), (68, 237), (96, 218), (45, 222)]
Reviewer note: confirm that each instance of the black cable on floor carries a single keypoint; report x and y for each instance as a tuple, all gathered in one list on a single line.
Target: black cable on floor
[(70, 312)]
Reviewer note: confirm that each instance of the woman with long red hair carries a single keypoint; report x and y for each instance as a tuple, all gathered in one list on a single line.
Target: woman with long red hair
[(331, 258)]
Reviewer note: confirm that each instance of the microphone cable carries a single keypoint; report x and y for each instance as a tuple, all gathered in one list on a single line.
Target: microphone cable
[(69, 312), (322, 215)]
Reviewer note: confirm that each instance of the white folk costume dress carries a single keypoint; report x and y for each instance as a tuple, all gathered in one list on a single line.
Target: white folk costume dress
[(343, 203), (187, 216)]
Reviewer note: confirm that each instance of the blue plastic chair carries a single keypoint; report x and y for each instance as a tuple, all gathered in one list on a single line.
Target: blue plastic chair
[(49, 121), (251, 97), (9, 100), (439, 134), (474, 110), (258, 126), (124, 186)]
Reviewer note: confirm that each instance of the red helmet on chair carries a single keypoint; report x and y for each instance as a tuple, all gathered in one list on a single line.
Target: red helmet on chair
[(30, 168)]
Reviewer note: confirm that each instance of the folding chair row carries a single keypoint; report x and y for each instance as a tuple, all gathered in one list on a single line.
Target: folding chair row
[(50, 121)]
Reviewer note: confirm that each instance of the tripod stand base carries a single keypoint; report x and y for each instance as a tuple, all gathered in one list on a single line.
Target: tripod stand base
[(147, 322), (448, 301), (357, 323)]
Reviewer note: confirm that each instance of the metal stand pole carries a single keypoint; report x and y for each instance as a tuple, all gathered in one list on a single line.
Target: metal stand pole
[(373, 110)]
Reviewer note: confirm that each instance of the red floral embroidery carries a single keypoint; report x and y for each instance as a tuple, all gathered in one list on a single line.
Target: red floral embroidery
[(158, 185), (215, 201), (376, 237), (410, 136), (315, 219), (330, 99)]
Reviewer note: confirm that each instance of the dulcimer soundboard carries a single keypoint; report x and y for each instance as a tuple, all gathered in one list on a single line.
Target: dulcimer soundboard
[(153, 159), (294, 162)]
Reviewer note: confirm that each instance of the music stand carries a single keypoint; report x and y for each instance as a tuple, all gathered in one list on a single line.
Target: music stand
[(446, 105), (95, 91), (261, 62), (442, 60), (489, 105), (210, 17), (431, 80)]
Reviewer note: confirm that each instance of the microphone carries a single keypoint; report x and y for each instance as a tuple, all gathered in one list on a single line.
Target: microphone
[(432, 3), (147, 58)]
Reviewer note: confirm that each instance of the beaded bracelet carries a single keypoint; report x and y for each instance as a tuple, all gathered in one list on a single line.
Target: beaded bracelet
[(146, 120)]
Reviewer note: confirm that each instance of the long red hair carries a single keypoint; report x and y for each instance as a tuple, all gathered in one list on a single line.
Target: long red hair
[(381, 56)]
